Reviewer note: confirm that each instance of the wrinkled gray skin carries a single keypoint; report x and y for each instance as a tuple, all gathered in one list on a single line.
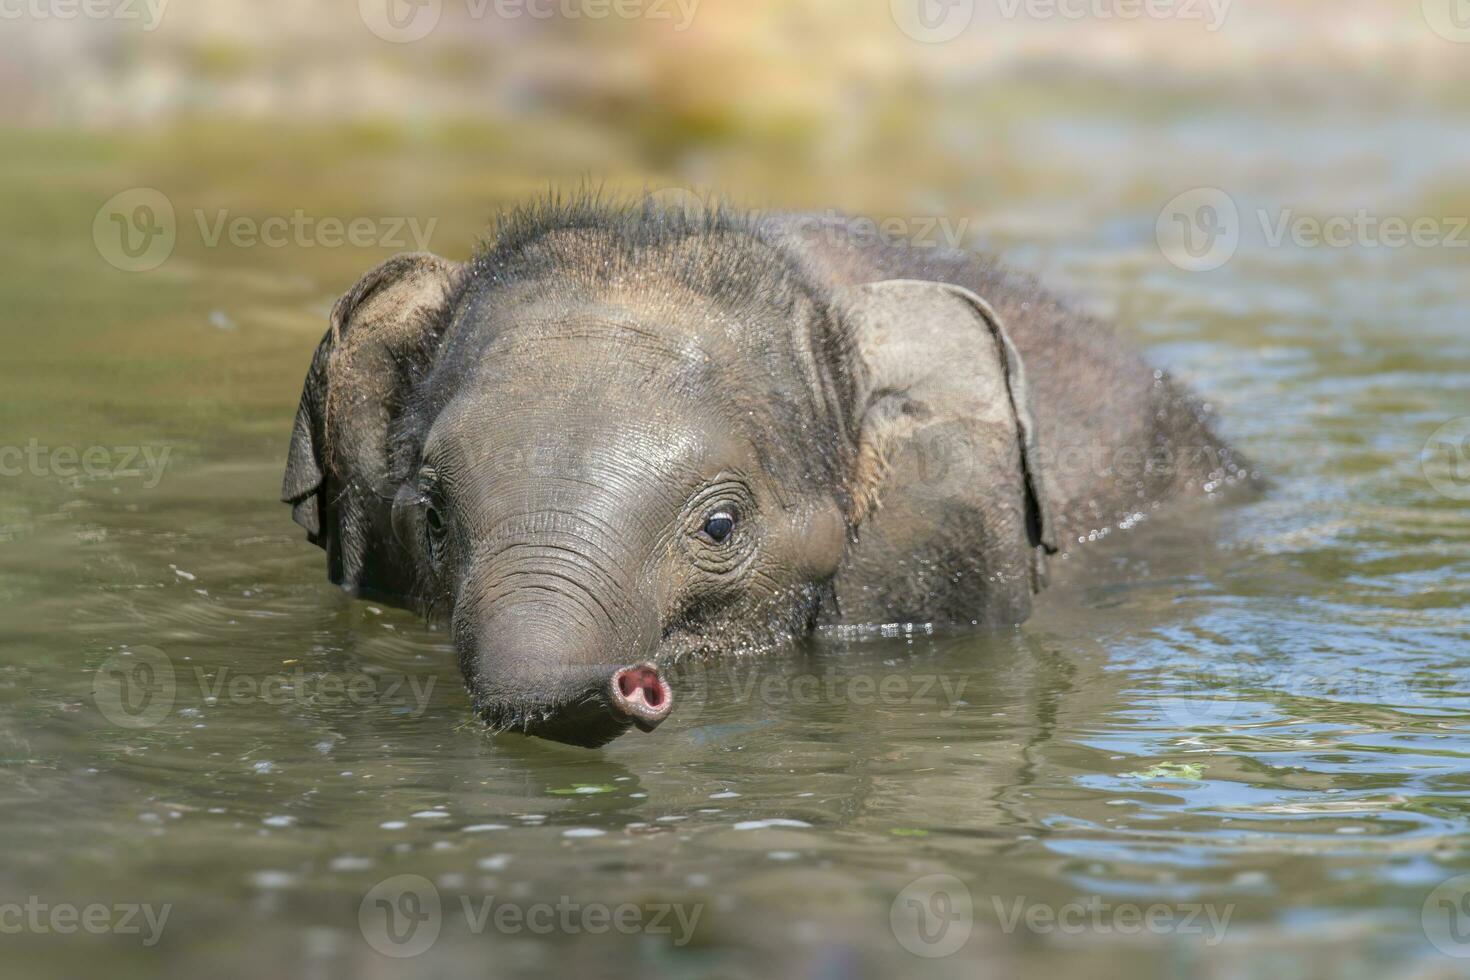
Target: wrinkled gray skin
[(532, 444)]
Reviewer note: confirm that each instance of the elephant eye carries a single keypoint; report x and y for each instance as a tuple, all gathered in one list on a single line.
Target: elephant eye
[(717, 526), (434, 522)]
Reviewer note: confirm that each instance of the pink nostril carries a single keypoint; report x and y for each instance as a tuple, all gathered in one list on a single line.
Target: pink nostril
[(634, 680), (640, 696)]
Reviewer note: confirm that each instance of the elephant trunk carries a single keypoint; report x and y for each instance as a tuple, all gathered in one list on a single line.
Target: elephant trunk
[(551, 645)]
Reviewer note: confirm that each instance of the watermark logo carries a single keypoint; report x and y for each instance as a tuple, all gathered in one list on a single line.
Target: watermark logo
[(1445, 459), (1446, 917), (1450, 19), (933, 916), (1205, 695), (932, 21), (680, 200), (135, 688), (401, 916), (135, 231), (400, 21), (1199, 230)]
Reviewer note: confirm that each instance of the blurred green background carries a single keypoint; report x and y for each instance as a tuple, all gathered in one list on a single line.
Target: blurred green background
[(1029, 126)]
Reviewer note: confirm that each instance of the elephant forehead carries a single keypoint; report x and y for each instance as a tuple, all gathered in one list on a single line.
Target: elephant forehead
[(689, 332), (579, 467), (577, 435), (619, 368), (676, 338)]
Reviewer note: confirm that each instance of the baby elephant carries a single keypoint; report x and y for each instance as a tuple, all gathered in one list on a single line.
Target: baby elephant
[(622, 435)]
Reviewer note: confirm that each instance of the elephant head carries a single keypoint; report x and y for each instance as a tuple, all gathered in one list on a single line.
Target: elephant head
[(614, 439)]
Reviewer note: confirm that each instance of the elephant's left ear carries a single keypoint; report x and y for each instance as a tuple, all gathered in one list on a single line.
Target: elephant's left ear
[(949, 478), (336, 477)]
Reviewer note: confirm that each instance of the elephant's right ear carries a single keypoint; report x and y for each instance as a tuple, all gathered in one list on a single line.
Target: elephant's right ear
[(337, 467), (949, 497)]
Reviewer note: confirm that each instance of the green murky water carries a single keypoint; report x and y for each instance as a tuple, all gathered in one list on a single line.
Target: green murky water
[(1234, 745)]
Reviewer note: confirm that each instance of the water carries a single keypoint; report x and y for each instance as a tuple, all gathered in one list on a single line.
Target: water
[(1232, 744)]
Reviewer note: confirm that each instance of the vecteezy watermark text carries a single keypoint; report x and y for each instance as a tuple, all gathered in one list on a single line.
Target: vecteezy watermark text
[(405, 21), (834, 687), (833, 227), (1201, 229), (138, 688), (914, 231), (752, 682), (402, 916), (308, 231), (91, 462), (934, 916), (39, 917), (938, 21), (1211, 13), (138, 229), (1095, 915), (150, 12)]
